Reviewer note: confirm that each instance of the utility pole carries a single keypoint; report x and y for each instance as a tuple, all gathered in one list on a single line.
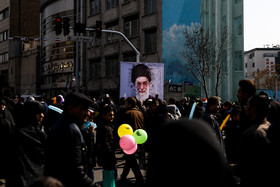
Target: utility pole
[(124, 37), (77, 61)]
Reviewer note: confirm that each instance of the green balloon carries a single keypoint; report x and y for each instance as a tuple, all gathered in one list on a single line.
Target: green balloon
[(140, 136)]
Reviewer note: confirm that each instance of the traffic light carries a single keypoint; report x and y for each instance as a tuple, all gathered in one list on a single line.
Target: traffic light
[(58, 25), (98, 29), (66, 26)]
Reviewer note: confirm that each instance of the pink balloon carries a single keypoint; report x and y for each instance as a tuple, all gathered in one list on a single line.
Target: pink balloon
[(131, 151), (127, 142)]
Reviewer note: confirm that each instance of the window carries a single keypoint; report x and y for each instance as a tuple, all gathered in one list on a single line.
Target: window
[(151, 41), (131, 28), (238, 25), (94, 68), (4, 14), (4, 58), (253, 65), (111, 4), (238, 61), (112, 66), (111, 37), (96, 41), (3, 36), (238, 1), (95, 7), (129, 57), (150, 6)]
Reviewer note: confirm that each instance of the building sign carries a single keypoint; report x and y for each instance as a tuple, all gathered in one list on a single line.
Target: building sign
[(58, 66), (80, 38), (175, 88)]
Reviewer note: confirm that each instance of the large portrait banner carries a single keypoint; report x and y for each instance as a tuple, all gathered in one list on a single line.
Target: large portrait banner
[(141, 80)]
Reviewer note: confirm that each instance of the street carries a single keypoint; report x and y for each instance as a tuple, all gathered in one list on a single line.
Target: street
[(120, 165), (98, 173)]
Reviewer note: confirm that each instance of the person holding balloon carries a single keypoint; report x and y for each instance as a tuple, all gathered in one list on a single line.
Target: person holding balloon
[(135, 118), (106, 146)]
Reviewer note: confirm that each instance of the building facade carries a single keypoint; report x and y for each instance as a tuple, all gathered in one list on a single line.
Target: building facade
[(140, 21), (156, 29), (57, 55), (261, 63), (99, 61), (216, 16), (19, 25)]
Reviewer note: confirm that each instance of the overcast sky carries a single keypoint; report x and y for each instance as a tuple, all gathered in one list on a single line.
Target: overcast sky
[(261, 23)]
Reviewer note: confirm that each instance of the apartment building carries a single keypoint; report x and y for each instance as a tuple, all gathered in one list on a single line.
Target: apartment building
[(140, 21), (19, 25), (262, 62)]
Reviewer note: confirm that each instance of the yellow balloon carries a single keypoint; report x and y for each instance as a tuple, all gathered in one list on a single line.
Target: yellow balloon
[(125, 129)]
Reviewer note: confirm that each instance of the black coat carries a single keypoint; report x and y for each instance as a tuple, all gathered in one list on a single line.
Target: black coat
[(26, 156), (255, 155), (6, 128), (211, 119), (106, 145), (66, 153)]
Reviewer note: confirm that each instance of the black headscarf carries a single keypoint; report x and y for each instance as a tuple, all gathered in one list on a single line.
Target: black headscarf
[(31, 109)]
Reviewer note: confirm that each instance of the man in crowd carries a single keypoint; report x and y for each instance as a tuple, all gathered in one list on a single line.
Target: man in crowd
[(135, 118), (212, 107), (65, 152), (247, 89)]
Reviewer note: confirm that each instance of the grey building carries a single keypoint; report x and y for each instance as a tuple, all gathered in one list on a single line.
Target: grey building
[(19, 25), (140, 21), (99, 62)]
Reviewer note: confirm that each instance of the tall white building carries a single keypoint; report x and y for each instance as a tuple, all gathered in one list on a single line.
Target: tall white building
[(215, 16)]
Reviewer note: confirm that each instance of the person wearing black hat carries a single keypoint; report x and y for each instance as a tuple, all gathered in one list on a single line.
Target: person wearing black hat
[(66, 150), (26, 154)]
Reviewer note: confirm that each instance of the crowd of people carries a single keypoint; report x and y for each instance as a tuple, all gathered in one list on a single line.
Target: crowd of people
[(41, 145)]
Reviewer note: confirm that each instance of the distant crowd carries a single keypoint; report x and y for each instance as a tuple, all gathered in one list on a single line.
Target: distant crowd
[(196, 142)]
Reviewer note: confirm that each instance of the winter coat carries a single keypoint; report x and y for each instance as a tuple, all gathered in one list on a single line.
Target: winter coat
[(255, 155), (212, 121), (66, 153), (105, 144), (134, 118), (26, 156), (6, 128)]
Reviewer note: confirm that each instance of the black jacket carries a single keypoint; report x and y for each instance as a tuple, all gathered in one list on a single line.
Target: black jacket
[(106, 145), (66, 153), (255, 155), (26, 156)]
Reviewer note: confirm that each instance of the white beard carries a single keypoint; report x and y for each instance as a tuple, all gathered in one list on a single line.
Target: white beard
[(143, 96)]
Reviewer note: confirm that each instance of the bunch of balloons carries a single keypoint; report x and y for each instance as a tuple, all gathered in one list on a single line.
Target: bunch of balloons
[(130, 139)]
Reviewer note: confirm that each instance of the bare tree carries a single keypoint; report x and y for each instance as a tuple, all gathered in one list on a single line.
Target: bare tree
[(268, 80), (203, 54)]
